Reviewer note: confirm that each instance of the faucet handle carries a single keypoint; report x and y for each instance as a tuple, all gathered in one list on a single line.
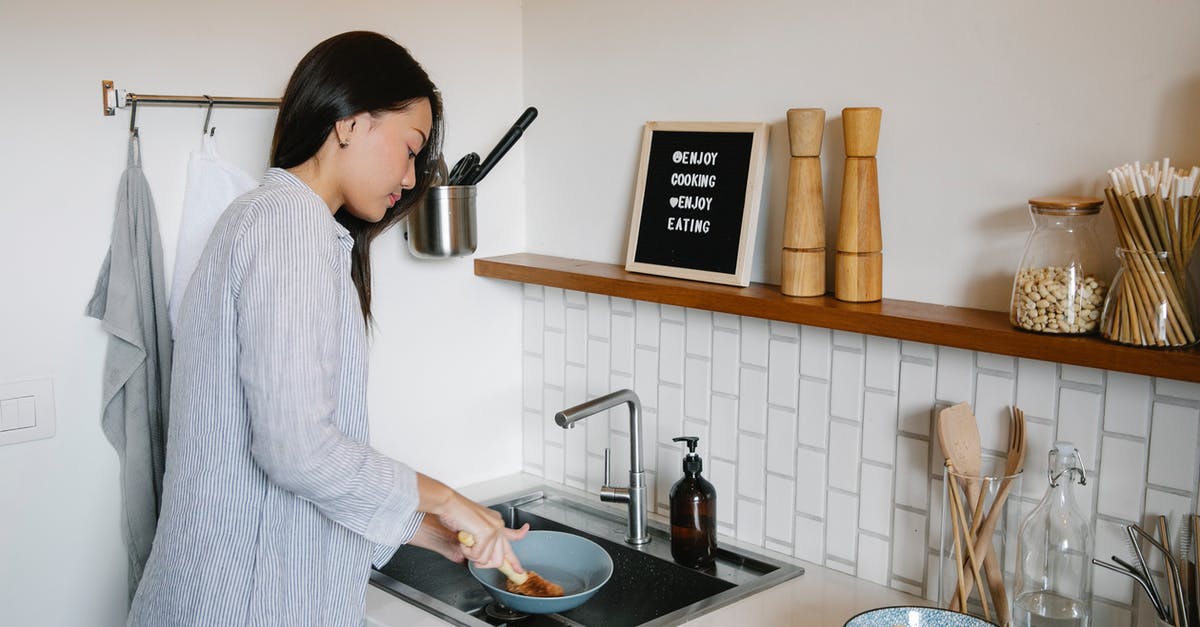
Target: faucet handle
[(607, 457)]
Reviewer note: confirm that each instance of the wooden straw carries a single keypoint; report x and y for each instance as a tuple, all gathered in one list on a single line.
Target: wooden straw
[(1159, 282)]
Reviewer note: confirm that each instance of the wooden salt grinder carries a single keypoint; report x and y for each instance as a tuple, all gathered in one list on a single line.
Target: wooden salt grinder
[(803, 256), (858, 263)]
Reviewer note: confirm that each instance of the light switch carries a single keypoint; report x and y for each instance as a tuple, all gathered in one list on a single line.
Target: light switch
[(26, 411), (10, 414)]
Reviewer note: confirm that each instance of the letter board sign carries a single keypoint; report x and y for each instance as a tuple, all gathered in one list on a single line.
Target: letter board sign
[(696, 206)]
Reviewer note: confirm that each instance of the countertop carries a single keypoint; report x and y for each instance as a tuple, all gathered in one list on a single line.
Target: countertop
[(819, 598)]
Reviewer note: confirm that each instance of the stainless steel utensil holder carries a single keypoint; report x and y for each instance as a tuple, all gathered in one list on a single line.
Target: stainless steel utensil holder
[(444, 224)]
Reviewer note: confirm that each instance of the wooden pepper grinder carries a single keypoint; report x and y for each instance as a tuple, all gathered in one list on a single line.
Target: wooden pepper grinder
[(803, 257), (858, 264)]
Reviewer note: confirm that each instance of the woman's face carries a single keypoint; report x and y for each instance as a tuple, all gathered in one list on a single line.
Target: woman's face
[(380, 160)]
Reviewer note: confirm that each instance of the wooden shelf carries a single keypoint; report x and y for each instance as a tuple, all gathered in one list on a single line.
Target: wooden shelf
[(958, 327)]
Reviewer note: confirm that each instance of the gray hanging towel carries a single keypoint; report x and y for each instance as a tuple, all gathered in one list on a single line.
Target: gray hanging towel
[(130, 301)]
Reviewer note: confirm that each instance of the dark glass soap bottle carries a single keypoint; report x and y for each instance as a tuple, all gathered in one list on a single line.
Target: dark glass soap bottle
[(693, 513)]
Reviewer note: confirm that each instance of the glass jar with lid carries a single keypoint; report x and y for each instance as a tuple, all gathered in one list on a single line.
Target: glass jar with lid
[(1056, 288)]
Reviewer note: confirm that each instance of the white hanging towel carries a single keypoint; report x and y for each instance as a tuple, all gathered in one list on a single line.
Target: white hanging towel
[(212, 183)]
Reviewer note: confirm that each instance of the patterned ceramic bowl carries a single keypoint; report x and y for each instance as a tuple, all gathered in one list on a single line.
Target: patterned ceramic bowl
[(910, 616)]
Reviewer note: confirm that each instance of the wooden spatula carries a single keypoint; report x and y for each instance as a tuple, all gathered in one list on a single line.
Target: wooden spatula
[(528, 583)]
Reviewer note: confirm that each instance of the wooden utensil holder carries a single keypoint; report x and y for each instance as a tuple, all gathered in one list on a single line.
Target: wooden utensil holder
[(858, 263), (802, 260)]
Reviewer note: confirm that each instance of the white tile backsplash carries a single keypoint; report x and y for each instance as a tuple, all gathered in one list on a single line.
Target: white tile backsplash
[(533, 321), (908, 544), (723, 475), (577, 335), (781, 442), (847, 339), (810, 482), (645, 375), (1173, 433), (846, 390), (752, 402), (781, 509), (622, 343), (784, 364), (1079, 415), (598, 359), (810, 540), (915, 399), (955, 375), (912, 485), (883, 363), (1127, 404), (598, 313), (724, 427), (872, 559), (755, 336), (814, 352), (1037, 387), (1177, 389), (879, 427), (555, 307), (673, 313), (670, 413), (844, 442), (752, 467), (726, 362), (875, 515), (670, 353), (1119, 480), (699, 332), (696, 388), (821, 443), (813, 415), (841, 526), (993, 398), (1080, 374), (646, 315), (750, 521)]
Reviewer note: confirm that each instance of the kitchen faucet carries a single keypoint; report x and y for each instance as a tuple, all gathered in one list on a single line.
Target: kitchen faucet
[(635, 494)]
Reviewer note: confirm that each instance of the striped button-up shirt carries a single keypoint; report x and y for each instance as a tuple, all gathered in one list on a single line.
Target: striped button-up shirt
[(274, 504)]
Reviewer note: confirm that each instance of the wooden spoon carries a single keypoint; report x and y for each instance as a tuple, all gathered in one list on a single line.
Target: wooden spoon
[(527, 583)]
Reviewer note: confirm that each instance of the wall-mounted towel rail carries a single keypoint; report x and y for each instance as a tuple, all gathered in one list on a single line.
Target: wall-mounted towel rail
[(115, 98)]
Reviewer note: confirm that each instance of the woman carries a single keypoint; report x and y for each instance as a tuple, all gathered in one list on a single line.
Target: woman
[(274, 506)]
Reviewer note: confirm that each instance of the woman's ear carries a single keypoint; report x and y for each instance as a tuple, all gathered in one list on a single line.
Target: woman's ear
[(343, 130)]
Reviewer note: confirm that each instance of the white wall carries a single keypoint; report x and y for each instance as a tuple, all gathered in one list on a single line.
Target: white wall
[(984, 106), (445, 378)]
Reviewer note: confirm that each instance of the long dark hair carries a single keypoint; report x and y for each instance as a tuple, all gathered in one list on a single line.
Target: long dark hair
[(345, 75)]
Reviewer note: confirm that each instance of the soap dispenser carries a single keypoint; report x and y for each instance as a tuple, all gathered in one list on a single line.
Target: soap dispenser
[(693, 513)]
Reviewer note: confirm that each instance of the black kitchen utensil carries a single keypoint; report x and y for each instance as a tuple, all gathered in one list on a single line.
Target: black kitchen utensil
[(464, 167), (501, 148)]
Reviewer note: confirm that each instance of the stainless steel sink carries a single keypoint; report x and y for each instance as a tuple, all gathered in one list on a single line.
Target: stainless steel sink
[(647, 587)]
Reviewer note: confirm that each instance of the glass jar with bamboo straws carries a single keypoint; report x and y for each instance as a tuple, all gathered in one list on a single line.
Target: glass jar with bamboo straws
[(1155, 209), (1056, 289)]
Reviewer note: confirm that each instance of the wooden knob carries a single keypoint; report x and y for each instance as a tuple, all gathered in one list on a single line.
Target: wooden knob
[(805, 129), (861, 128), (859, 229), (858, 277), (804, 220)]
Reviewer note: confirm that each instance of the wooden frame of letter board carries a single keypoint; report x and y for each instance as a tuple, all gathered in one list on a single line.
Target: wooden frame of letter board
[(754, 181)]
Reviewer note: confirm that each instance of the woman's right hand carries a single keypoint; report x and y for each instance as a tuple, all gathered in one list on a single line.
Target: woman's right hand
[(458, 513)]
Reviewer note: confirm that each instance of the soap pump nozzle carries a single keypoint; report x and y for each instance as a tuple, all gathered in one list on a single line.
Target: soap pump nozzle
[(692, 463)]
